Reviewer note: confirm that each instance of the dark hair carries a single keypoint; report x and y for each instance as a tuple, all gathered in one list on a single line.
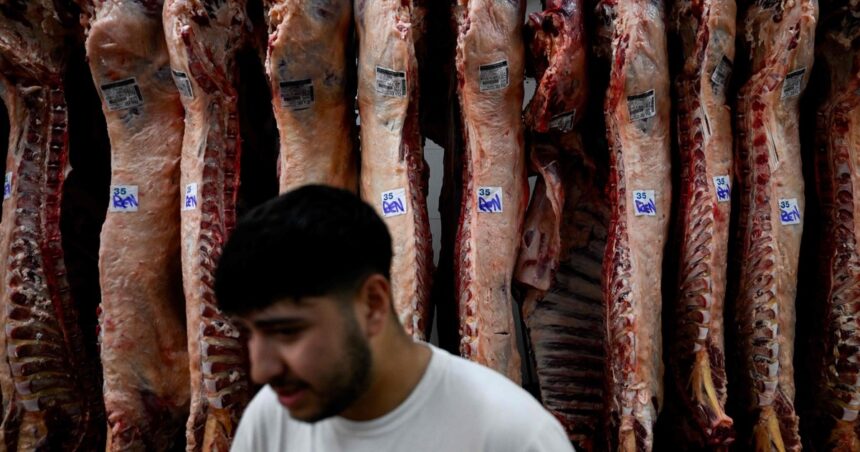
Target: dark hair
[(313, 241)]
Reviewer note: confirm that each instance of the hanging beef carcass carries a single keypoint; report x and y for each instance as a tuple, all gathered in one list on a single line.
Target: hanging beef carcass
[(311, 76), (564, 236), (706, 32), (637, 116), (202, 39), (49, 386), (779, 39), (146, 385), (490, 59), (837, 393), (393, 171)]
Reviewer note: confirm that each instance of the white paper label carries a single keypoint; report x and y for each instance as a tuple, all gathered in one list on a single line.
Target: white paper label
[(644, 203), (641, 106), (122, 94), (493, 77), (297, 94), (189, 200), (721, 73), (123, 198), (789, 212), (394, 202), (490, 199), (563, 122), (792, 84), (7, 186), (183, 84), (723, 187), (390, 83)]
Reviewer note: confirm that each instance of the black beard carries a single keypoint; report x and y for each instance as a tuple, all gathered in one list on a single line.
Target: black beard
[(349, 385)]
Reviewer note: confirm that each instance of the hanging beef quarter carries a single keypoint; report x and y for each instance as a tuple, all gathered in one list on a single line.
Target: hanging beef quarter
[(311, 75), (565, 323), (837, 162), (146, 386), (706, 32), (202, 39), (490, 61), (779, 37), (564, 236), (393, 171), (637, 116), (49, 386)]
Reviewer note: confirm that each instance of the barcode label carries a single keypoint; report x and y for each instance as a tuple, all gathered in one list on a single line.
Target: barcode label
[(123, 198), (563, 122), (390, 83), (493, 77), (394, 202), (641, 106), (183, 84), (189, 200), (644, 203), (793, 83), (122, 94), (721, 73), (297, 94)]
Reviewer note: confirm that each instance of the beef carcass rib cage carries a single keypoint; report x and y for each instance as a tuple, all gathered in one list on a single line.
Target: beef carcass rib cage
[(310, 74), (836, 161), (146, 386), (203, 38), (393, 171), (779, 37), (49, 387), (706, 31)]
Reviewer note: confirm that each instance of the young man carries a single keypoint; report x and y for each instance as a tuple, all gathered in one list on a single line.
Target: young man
[(307, 274)]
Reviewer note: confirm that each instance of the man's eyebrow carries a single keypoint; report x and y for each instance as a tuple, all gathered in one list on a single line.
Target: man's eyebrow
[(278, 322)]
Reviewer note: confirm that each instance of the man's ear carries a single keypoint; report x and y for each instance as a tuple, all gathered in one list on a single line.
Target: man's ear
[(374, 303)]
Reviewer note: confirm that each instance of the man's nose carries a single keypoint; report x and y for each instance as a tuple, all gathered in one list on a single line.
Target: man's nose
[(265, 362)]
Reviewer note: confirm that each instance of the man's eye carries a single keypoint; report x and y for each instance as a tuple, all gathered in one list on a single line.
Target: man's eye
[(286, 332)]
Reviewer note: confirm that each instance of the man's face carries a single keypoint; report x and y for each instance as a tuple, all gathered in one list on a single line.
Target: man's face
[(312, 353)]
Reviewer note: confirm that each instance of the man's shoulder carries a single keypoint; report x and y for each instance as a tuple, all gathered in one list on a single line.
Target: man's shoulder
[(505, 414), (486, 388)]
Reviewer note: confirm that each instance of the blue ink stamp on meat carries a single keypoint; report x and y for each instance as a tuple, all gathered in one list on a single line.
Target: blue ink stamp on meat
[(789, 212), (189, 199), (644, 203), (123, 198), (7, 186), (723, 187), (394, 202), (490, 200)]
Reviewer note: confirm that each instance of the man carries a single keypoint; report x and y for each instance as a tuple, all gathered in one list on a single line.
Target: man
[(307, 274)]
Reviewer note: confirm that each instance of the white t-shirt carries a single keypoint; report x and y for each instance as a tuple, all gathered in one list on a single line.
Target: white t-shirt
[(457, 406)]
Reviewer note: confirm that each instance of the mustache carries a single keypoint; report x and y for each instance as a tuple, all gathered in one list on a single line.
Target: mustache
[(286, 384)]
